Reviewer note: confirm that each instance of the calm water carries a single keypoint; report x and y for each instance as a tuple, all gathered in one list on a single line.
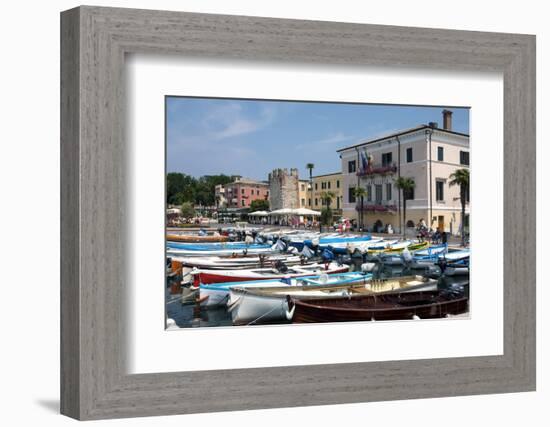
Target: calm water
[(191, 315)]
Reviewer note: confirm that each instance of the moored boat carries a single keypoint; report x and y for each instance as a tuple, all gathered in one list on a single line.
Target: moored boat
[(426, 258), (401, 255), (392, 306), (457, 268), (205, 276), (217, 294), (238, 262), (195, 238), (269, 304), (229, 251)]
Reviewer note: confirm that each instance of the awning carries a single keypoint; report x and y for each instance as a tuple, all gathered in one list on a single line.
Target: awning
[(295, 212), (259, 213)]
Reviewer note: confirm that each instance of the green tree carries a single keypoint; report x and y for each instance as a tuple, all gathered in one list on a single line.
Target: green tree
[(326, 216), (185, 188), (406, 185), (461, 177), (187, 210), (179, 188), (310, 167), (360, 193), (259, 205), (326, 212)]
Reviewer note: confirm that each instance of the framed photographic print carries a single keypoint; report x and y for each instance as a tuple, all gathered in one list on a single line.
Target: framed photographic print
[(349, 208)]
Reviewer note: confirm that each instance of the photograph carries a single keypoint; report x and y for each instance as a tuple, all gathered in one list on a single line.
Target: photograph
[(283, 212)]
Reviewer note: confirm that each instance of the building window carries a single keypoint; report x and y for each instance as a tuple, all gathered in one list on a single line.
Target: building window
[(378, 193), (409, 155), (465, 158), (316, 202), (439, 185), (315, 188), (257, 192), (302, 187), (303, 202), (386, 159), (388, 191), (369, 193), (309, 202), (242, 202), (439, 154), (351, 166), (242, 190), (337, 184), (351, 194), (328, 183)]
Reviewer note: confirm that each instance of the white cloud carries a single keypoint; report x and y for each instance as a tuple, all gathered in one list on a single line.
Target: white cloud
[(229, 120), (325, 142)]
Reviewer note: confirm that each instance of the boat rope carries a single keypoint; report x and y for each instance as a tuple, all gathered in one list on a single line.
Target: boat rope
[(231, 305), (263, 315)]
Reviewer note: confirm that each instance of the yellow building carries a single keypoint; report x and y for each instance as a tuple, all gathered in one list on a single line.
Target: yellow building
[(303, 192), (328, 183)]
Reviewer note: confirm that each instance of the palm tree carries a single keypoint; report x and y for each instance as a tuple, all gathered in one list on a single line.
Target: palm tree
[(327, 197), (461, 177), (360, 193), (310, 166), (406, 185)]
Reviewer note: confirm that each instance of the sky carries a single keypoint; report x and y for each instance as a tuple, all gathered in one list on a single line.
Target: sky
[(251, 138)]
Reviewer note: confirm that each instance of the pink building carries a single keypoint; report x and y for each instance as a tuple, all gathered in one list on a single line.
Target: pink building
[(241, 192)]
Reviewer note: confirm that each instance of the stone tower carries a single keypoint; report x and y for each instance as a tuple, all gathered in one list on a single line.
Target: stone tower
[(283, 189)]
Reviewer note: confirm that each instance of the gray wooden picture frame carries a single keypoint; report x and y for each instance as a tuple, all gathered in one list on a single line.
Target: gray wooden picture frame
[(94, 41)]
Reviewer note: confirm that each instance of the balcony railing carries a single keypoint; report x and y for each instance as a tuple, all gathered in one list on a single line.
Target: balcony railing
[(377, 169), (376, 207)]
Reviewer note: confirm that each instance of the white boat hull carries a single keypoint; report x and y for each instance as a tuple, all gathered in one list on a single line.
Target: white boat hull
[(248, 308)]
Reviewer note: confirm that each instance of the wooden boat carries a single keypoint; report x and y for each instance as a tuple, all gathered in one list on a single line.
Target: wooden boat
[(373, 245), (238, 261), (195, 238), (455, 255), (400, 306), (373, 254), (414, 257), (224, 252), (237, 246), (241, 275), (457, 268), (455, 263), (401, 256), (270, 304), (322, 241), (217, 294), (426, 258)]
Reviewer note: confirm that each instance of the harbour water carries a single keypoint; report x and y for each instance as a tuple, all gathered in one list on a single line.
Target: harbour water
[(191, 315)]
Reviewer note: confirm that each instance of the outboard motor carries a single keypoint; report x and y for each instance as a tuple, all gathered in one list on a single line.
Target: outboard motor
[(307, 252), (407, 257), (279, 246), (327, 255), (344, 259), (280, 266)]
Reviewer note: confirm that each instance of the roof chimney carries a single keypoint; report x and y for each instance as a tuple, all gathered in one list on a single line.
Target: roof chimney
[(447, 120)]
